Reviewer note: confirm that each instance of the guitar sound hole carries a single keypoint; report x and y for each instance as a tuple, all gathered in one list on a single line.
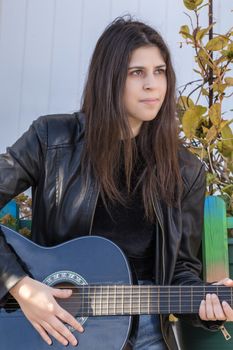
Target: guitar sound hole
[(73, 304)]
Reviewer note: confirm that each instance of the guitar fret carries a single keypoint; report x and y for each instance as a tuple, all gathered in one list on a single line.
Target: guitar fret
[(88, 300), (169, 304), (114, 300), (83, 301), (180, 299), (139, 300), (107, 300), (158, 300), (122, 303), (191, 299), (148, 299), (130, 301), (94, 301), (101, 294)]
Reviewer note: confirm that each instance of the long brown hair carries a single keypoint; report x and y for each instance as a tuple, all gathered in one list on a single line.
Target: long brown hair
[(107, 122)]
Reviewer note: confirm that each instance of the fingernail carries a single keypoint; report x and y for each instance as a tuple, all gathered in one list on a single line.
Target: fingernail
[(224, 303)]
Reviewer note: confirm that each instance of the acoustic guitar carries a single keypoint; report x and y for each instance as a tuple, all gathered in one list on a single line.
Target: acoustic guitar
[(104, 298)]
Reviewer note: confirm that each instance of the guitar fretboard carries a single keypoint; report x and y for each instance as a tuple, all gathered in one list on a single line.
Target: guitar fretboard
[(129, 300)]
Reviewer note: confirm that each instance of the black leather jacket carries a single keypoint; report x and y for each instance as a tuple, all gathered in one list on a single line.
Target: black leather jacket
[(47, 158)]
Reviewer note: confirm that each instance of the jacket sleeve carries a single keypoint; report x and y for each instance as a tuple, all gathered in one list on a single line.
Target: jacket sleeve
[(188, 266), (20, 168)]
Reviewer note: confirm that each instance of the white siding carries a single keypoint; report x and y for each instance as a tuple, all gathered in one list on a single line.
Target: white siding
[(45, 47)]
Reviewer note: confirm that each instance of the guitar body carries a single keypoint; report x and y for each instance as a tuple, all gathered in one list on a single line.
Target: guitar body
[(85, 260)]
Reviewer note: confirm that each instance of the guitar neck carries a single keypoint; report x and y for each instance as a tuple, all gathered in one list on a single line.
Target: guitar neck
[(130, 300)]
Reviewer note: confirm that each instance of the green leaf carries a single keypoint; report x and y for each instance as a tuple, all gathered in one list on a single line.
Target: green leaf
[(201, 33), (211, 134), (192, 4), (215, 114), (185, 102), (199, 151), (192, 119), (197, 71), (228, 189), (202, 56), (184, 31), (224, 123), (229, 81), (204, 92), (220, 88), (227, 141), (210, 178), (217, 43)]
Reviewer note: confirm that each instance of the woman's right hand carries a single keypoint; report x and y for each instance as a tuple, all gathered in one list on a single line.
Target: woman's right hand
[(37, 301)]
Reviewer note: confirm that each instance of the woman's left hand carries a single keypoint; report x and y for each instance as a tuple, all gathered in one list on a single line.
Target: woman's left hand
[(211, 309)]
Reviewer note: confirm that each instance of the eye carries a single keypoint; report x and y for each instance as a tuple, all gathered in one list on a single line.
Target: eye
[(160, 71), (138, 72)]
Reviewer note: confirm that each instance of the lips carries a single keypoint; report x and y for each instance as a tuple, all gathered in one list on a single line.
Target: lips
[(150, 101)]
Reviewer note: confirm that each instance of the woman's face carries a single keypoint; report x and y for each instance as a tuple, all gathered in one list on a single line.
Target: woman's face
[(146, 86)]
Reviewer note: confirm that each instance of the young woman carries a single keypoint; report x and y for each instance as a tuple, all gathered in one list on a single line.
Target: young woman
[(115, 169)]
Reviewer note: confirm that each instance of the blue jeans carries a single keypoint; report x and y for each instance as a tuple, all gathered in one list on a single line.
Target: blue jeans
[(149, 336)]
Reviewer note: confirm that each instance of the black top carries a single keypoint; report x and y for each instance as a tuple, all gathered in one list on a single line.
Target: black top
[(127, 226)]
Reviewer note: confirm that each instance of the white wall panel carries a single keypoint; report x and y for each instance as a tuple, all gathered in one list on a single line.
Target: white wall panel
[(39, 39), (122, 7), (45, 49), (66, 56), (12, 47)]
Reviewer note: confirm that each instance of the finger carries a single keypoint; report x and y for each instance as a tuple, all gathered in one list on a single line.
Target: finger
[(59, 327), (202, 310), (61, 293), (217, 308), (225, 281), (69, 319), (42, 333), (209, 308), (54, 333), (228, 282), (228, 311)]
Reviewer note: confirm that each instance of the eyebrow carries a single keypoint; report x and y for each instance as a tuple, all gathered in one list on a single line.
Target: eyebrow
[(141, 67)]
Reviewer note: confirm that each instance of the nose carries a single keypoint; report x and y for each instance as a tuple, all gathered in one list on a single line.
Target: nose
[(150, 82)]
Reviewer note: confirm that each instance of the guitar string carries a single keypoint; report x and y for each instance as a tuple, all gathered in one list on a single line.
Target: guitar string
[(153, 303), (145, 295), (125, 293), (174, 304), (155, 308), (221, 286), (114, 292), (134, 300)]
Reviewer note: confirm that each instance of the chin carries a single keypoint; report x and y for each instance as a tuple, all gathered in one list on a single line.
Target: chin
[(149, 118)]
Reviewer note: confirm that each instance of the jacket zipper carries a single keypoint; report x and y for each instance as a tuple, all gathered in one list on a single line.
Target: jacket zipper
[(163, 243), (225, 333), (163, 269), (93, 212)]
